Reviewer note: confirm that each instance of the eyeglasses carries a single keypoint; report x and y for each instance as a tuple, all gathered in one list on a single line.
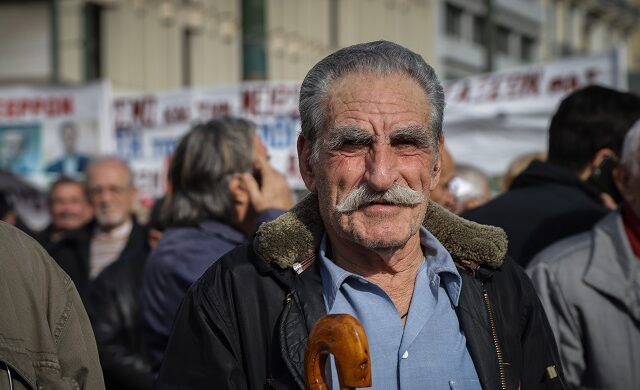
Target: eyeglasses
[(111, 190)]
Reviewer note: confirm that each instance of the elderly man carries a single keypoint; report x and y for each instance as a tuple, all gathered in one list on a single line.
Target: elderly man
[(113, 234), (590, 287), (442, 306), (69, 209), (105, 259)]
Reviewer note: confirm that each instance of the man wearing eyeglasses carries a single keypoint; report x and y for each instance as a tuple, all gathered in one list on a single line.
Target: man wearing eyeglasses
[(113, 233), (105, 259)]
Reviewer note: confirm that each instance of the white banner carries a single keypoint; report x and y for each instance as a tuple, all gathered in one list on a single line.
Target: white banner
[(148, 127), (491, 119), (45, 132)]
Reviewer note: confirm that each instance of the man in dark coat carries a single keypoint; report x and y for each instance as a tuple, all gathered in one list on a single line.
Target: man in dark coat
[(69, 209), (566, 194), (105, 259), (442, 305)]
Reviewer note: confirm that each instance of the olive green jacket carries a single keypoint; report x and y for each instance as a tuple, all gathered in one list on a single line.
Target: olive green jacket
[(46, 340)]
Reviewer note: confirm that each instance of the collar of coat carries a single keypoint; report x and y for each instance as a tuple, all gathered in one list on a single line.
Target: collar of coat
[(293, 238)]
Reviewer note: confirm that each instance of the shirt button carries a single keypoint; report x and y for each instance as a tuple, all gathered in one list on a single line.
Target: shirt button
[(405, 354)]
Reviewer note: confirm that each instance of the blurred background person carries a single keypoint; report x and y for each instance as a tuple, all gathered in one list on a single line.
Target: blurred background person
[(115, 316), (442, 193), (471, 187), (517, 166), (589, 285), (113, 233), (222, 189), (69, 209), (563, 196), (71, 163), (105, 258)]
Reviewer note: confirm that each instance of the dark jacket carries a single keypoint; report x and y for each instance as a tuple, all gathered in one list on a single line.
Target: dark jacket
[(245, 323), (44, 237), (45, 336), (116, 320), (544, 204), (180, 258), (73, 250), (112, 301)]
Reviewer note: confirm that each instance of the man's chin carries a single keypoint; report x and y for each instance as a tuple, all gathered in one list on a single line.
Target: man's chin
[(107, 223), (381, 242)]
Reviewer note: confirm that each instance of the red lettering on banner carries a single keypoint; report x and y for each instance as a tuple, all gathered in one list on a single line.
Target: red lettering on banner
[(35, 107), (531, 84), (592, 74), (565, 83), (249, 102), (130, 113), (174, 115), (208, 110), (276, 100)]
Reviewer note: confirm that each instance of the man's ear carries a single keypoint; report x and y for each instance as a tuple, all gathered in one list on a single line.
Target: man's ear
[(237, 190), (304, 155), (437, 165)]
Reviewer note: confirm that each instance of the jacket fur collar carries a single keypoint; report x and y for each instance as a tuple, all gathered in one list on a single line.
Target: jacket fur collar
[(295, 236)]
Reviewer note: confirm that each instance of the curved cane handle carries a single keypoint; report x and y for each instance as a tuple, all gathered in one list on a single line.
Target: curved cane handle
[(343, 336)]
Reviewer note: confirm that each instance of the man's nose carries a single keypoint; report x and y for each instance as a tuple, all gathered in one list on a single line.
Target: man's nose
[(382, 169)]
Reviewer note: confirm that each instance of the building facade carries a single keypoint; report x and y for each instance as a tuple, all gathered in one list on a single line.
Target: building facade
[(151, 45)]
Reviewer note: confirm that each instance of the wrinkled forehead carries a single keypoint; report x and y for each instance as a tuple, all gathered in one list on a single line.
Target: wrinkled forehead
[(372, 93), (108, 173)]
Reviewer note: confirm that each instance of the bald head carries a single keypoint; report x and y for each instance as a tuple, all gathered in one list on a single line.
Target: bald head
[(111, 191)]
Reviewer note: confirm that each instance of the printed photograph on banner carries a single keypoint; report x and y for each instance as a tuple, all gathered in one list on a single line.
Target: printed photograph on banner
[(129, 143), (72, 144), (20, 148)]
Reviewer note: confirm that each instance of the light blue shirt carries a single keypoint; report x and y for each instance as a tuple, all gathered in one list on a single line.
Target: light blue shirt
[(430, 351)]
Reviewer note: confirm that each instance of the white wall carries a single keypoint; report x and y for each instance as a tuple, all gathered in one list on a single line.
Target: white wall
[(24, 42)]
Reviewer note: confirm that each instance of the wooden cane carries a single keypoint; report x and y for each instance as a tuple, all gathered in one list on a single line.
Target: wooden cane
[(343, 336)]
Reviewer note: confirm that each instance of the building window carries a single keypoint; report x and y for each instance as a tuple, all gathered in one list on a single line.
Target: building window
[(453, 21), (527, 47), (502, 40), (92, 41), (480, 30)]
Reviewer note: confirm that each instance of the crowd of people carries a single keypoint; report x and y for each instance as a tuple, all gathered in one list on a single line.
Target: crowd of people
[(537, 287)]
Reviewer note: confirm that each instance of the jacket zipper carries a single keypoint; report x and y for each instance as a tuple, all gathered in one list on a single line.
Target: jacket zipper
[(496, 342), (9, 376)]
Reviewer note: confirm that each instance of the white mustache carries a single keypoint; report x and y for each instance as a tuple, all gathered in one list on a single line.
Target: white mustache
[(363, 195)]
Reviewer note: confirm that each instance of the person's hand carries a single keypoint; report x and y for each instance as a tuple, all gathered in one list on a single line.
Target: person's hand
[(274, 192)]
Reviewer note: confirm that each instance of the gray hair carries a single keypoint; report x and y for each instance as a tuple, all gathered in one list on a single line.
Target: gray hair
[(110, 159), (630, 149), (203, 164), (381, 57)]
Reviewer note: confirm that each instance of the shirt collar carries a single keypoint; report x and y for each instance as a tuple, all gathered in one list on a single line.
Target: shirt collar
[(121, 231), (438, 264)]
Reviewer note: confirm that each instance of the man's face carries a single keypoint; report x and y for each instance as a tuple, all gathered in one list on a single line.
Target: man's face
[(377, 136), (69, 206), (442, 193), (110, 193)]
